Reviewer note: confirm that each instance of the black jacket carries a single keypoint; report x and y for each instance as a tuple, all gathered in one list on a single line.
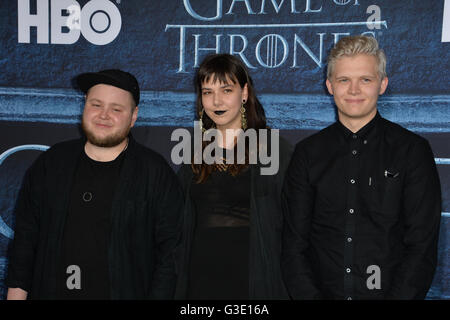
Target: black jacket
[(363, 214), (145, 224), (266, 221)]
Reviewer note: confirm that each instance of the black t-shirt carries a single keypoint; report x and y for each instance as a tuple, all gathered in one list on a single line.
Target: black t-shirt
[(87, 230)]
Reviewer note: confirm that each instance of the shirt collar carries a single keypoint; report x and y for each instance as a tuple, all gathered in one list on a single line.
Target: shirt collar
[(368, 130)]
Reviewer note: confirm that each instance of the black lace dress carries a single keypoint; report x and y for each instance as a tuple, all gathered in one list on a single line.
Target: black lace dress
[(220, 251)]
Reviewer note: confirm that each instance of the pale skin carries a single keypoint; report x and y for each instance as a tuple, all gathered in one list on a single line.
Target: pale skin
[(16, 294), (356, 85), (108, 111), (227, 97)]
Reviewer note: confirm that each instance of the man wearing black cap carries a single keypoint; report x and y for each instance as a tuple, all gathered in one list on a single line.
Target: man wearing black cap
[(98, 217)]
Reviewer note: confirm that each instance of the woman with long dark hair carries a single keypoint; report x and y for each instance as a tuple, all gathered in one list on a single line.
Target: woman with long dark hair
[(231, 243)]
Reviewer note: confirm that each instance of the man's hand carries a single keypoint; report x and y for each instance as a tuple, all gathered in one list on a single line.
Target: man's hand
[(16, 294)]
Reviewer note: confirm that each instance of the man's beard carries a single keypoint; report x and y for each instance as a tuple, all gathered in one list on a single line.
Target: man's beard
[(106, 142)]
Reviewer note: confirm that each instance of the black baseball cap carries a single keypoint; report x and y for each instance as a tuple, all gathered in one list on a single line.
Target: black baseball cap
[(113, 77)]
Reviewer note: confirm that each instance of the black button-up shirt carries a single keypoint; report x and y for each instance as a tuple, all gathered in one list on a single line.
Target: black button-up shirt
[(362, 214)]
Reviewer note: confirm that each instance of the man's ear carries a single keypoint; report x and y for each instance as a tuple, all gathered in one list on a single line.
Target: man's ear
[(134, 115), (329, 86), (384, 84)]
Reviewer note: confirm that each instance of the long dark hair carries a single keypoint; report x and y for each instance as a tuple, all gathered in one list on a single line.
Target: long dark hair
[(221, 67)]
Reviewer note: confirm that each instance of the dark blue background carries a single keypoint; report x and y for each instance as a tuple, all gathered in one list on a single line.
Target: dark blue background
[(412, 42)]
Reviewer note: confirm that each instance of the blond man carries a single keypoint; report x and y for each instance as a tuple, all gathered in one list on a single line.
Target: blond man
[(363, 200)]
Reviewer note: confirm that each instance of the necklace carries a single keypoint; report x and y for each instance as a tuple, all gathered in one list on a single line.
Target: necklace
[(222, 166)]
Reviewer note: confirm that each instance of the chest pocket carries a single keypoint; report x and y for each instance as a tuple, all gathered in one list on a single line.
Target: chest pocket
[(392, 195), (383, 194)]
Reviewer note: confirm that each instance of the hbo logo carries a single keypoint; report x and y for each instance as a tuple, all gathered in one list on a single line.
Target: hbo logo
[(99, 21)]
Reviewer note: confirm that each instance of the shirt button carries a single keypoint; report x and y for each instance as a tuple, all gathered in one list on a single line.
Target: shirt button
[(354, 152), (349, 239), (352, 181), (365, 141), (348, 270), (351, 210), (354, 136)]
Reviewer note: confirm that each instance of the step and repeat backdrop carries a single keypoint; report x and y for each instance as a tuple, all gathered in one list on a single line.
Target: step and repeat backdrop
[(44, 44)]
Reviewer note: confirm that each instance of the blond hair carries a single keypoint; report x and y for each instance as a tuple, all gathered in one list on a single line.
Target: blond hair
[(353, 45)]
